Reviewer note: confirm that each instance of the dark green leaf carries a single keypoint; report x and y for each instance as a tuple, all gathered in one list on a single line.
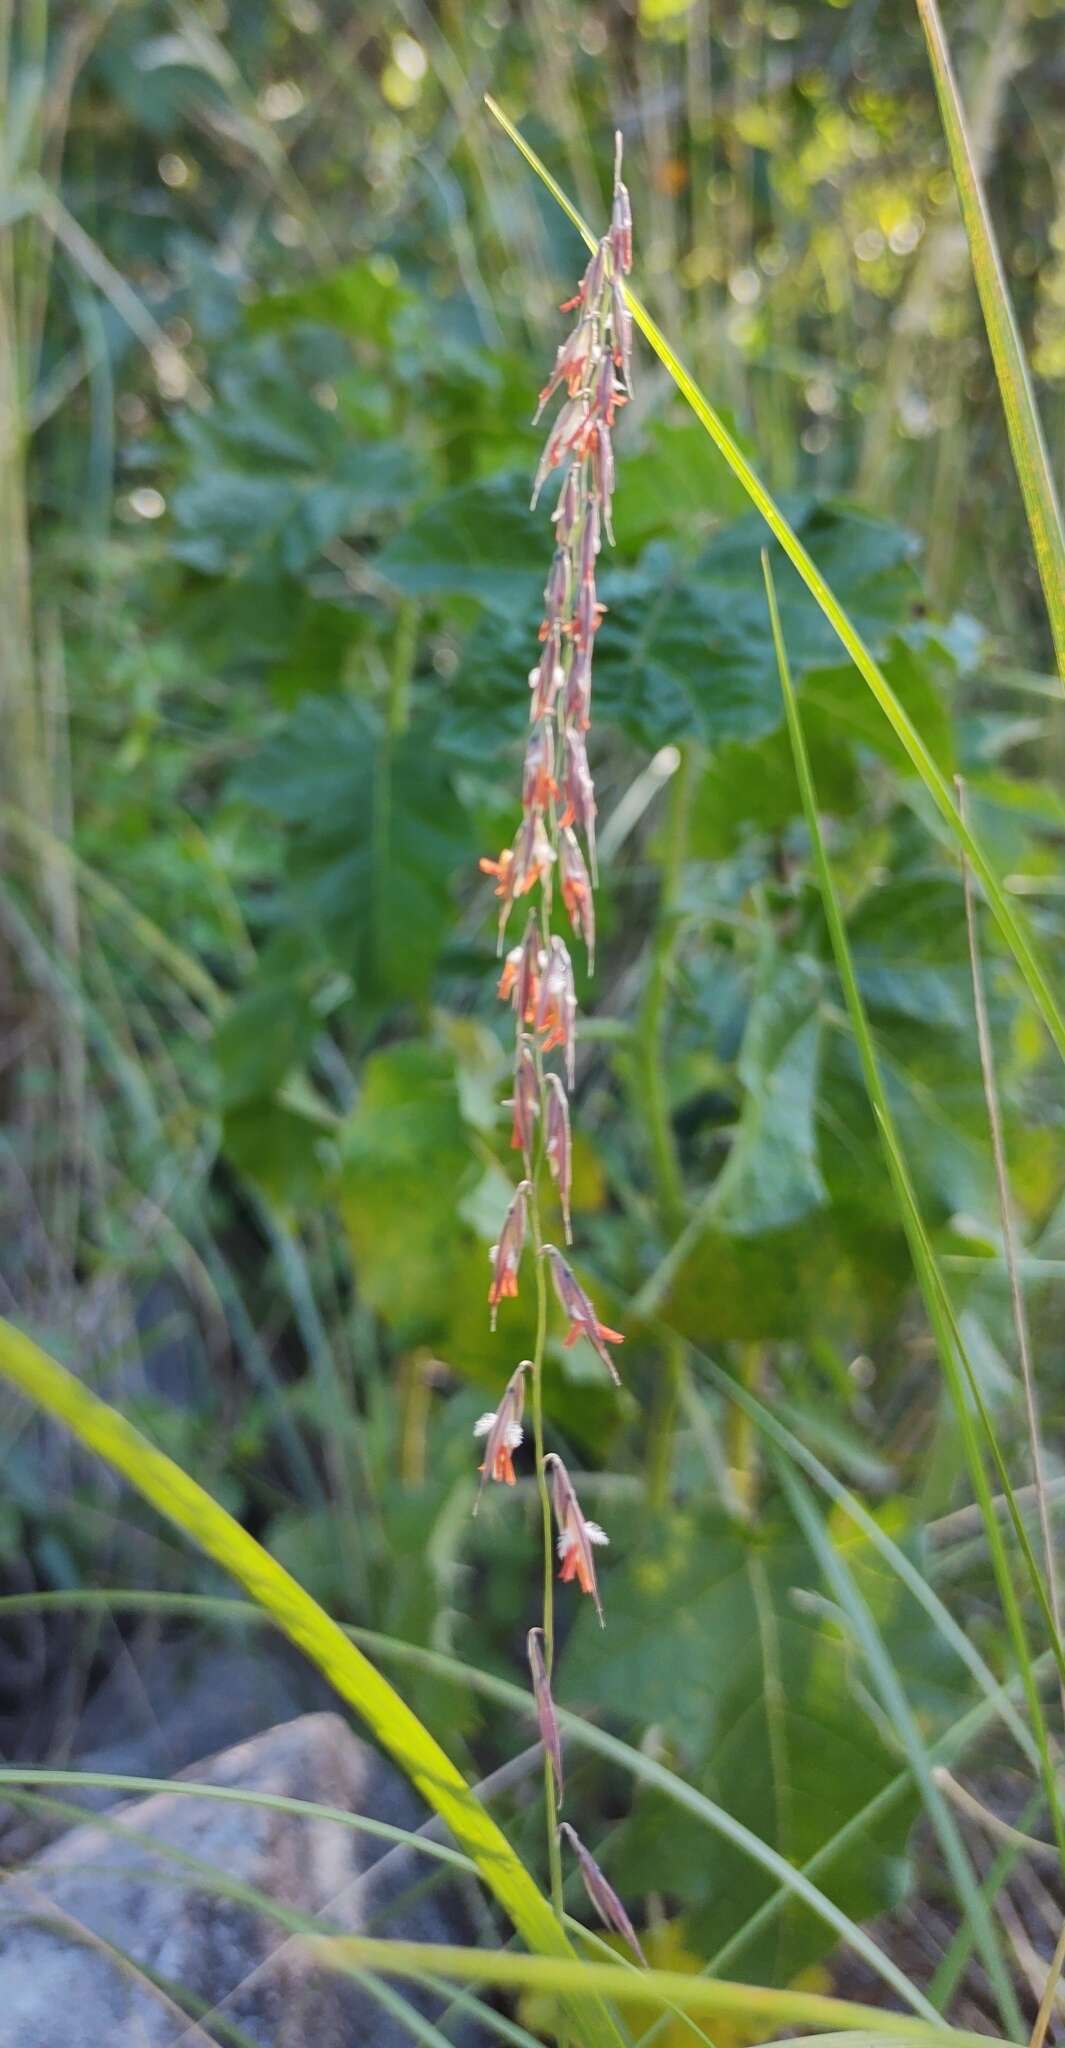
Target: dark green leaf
[(377, 836)]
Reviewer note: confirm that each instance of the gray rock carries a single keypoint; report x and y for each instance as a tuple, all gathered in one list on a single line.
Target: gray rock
[(167, 1700), (106, 1940)]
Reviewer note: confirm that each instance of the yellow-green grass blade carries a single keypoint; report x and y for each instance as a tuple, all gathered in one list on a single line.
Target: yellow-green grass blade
[(1011, 926), (1028, 446), (163, 1483), (955, 1365), (748, 2003)]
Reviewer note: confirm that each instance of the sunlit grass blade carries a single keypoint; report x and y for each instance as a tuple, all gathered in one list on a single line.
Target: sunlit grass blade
[(1011, 926), (705, 1996), (396, 1727), (896, 1706), (1028, 446), (960, 1379)]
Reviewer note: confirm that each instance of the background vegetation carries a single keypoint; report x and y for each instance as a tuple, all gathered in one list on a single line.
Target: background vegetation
[(277, 298)]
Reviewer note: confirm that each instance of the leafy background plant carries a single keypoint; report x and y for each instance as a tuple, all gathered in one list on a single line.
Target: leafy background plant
[(266, 686)]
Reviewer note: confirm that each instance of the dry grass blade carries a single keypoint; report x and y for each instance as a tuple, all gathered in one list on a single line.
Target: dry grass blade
[(1046, 2003)]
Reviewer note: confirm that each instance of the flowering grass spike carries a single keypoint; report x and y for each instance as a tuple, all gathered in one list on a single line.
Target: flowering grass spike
[(502, 1432), (554, 850), (577, 1538)]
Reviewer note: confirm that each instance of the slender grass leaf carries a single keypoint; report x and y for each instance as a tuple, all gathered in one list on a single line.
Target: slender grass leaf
[(916, 748), (897, 1707), (746, 2002), (937, 1302)]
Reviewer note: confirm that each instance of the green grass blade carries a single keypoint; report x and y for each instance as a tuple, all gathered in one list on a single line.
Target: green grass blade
[(894, 1556), (180, 1868), (955, 1742), (1027, 444), (944, 1327), (1012, 928), (701, 1995), (648, 1770), (238, 1795), (897, 1707), (947, 1319), (163, 1483)]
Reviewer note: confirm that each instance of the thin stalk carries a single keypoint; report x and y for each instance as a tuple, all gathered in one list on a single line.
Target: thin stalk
[(1013, 931), (654, 1108), (1009, 1238), (742, 1446), (554, 1854), (955, 1961), (937, 1304), (665, 1159), (1046, 2003)]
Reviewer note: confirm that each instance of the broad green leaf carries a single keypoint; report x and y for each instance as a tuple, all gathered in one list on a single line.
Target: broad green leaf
[(684, 651), (166, 1487), (749, 786), (921, 670), (269, 480), (376, 836), (771, 1177), (482, 540), (270, 1027), (674, 484), (406, 1158), (281, 1149), (809, 1277), (363, 299)]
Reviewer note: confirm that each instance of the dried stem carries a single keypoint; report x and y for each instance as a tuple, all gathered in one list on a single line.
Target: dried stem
[(1046, 2003)]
